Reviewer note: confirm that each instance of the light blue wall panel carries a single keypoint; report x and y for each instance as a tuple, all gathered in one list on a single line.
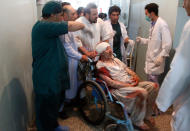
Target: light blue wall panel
[(180, 22)]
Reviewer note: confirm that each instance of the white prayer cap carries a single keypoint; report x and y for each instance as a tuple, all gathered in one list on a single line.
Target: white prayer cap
[(101, 47)]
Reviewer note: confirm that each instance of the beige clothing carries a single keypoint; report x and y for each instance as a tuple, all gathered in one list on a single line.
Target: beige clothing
[(139, 107)]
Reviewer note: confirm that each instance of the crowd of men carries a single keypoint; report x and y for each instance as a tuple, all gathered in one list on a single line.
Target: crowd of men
[(64, 36)]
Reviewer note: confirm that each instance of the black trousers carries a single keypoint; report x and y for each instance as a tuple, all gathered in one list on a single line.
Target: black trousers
[(47, 106)]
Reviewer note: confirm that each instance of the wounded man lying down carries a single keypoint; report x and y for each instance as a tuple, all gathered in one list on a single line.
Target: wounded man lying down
[(139, 97)]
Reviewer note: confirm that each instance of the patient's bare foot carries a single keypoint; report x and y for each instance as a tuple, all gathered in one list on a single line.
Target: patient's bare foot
[(156, 111), (144, 127), (151, 120)]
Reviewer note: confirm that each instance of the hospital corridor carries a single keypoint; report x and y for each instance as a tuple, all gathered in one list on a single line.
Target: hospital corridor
[(94, 65)]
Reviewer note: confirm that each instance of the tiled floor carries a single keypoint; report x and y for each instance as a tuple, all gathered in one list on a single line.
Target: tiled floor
[(76, 123)]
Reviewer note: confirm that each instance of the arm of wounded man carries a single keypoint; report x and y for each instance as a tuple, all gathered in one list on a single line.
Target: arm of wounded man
[(105, 76)]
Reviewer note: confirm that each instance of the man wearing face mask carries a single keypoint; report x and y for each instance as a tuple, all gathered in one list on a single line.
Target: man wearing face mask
[(159, 43)]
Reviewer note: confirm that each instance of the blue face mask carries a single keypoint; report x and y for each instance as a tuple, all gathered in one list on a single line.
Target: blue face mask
[(148, 19)]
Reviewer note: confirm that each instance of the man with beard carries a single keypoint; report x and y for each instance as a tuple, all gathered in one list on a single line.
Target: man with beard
[(88, 41), (124, 85)]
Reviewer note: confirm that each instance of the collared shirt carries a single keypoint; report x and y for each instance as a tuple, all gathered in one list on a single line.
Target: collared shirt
[(153, 23)]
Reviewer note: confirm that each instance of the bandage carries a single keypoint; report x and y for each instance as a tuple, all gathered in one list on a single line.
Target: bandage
[(100, 48)]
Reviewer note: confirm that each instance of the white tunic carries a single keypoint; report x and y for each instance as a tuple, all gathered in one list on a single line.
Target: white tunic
[(159, 44), (98, 34), (73, 57), (176, 86)]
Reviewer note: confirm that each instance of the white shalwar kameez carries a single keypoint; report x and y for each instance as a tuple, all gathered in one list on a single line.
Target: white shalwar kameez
[(176, 86), (73, 57), (130, 95), (85, 38)]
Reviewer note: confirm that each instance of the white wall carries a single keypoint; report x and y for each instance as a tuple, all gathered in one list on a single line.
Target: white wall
[(168, 11), (17, 19), (40, 4), (124, 16), (124, 5)]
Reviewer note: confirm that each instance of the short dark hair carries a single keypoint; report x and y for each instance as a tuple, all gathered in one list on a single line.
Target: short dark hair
[(51, 7), (88, 7), (114, 9), (46, 16), (102, 15), (152, 7), (80, 10), (64, 4)]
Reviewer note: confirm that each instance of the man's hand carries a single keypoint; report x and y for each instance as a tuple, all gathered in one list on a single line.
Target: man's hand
[(133, 74), (84, 58), (92, 54), (135, 81), (138, 39), (126, 40), (159, 61), (131, 42)]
